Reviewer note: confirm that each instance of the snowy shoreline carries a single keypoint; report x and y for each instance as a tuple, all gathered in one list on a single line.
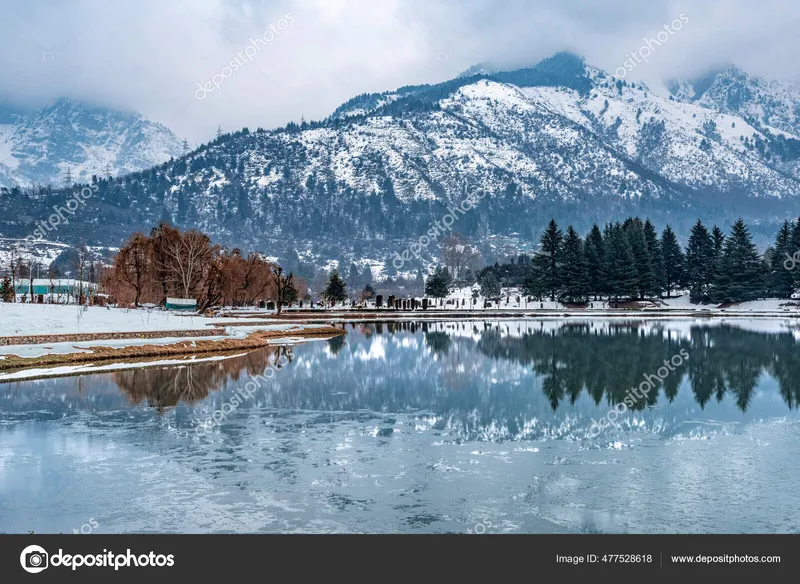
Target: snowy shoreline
[(59, 335), (75, 335)]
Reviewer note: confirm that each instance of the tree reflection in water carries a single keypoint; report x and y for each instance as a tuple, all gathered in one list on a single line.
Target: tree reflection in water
[(463, 358), (607, 363), (165, 387)]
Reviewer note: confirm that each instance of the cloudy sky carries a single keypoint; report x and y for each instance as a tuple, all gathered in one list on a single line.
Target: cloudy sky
[(153, 56)]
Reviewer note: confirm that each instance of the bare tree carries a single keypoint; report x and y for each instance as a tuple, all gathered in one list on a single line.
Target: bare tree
[(458, 255), (214, 286), (162, 237), (187, 259), (15, 262), (81, 264), (51, 275), (284, 287), (133, 263), (33, 267), (257, 278)]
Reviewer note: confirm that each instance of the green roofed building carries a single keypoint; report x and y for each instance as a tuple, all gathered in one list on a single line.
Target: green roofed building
[(55, 289), (181, 304)]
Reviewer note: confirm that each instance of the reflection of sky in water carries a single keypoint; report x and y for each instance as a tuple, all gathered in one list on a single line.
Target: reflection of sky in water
[(423, 430)]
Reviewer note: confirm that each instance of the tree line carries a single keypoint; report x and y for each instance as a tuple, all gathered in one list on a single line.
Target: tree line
[(170, 263), (630, 260)]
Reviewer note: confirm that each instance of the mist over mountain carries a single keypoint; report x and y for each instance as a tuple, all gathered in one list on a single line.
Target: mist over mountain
[(560, 139)]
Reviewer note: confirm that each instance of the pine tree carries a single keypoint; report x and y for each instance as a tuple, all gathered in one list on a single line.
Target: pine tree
[(593, 253), (781, 280), (573, 268), (532, 284), (634, 230), (6, 290), (622, 272), (608, 259), (336, 290), (673, 261), (438, 284), (699, 263), (185, 146), (490, 285), (719, 241), (219, 132), (546, 261), (354, 278), (654, 249), (794, 248), (740, 276)]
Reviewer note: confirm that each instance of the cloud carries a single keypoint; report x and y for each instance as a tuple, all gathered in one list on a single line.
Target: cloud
[(149, 55)]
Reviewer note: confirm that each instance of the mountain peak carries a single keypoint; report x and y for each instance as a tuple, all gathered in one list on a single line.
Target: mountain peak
[(40, 145), (733, 91)]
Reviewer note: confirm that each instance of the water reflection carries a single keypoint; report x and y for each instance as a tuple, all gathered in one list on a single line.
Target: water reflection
[(161, 388), (496, 371), (607, 361), (423, 427)]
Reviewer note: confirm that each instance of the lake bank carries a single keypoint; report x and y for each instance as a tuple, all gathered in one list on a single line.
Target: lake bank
[(90, 352)]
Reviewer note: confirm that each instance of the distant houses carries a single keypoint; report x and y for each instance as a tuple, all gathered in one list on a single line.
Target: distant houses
[(59, 290)]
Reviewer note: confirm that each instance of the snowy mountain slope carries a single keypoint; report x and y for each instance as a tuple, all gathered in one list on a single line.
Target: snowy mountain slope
[(560, 139), (39, 146), (733, 91)]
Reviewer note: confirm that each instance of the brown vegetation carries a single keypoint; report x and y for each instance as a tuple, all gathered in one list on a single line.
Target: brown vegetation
[(168, 263)]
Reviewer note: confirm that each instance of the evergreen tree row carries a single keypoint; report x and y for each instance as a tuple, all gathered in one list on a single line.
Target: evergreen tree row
[(630, 260)]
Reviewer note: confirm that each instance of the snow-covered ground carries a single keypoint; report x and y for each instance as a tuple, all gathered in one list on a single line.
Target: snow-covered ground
[(462, 299), (30, 351), (50, 319), (670, 327), (54, 319)]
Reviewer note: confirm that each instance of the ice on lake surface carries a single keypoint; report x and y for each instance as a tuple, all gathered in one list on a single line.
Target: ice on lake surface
[(422, 427)]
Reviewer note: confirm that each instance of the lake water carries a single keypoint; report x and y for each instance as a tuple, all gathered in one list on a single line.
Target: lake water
[(412, 427)]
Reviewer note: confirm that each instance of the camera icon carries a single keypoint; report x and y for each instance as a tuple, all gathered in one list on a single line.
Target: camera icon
[(34, 559), (442, 56), (48, 56)]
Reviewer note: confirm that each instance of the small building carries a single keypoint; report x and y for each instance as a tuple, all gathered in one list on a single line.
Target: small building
[(64, 290), (189, 304)]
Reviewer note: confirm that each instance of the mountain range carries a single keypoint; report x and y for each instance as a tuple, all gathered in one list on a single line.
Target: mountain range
[(38, 146), (560, 139)]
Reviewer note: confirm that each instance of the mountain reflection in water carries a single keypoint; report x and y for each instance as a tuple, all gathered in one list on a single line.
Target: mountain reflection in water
[(495, 372), (423, 427), (602, 361)]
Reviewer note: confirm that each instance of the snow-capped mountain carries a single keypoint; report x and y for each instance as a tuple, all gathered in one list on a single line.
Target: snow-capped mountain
[(37, 147), (732, 91), (561, 139)]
